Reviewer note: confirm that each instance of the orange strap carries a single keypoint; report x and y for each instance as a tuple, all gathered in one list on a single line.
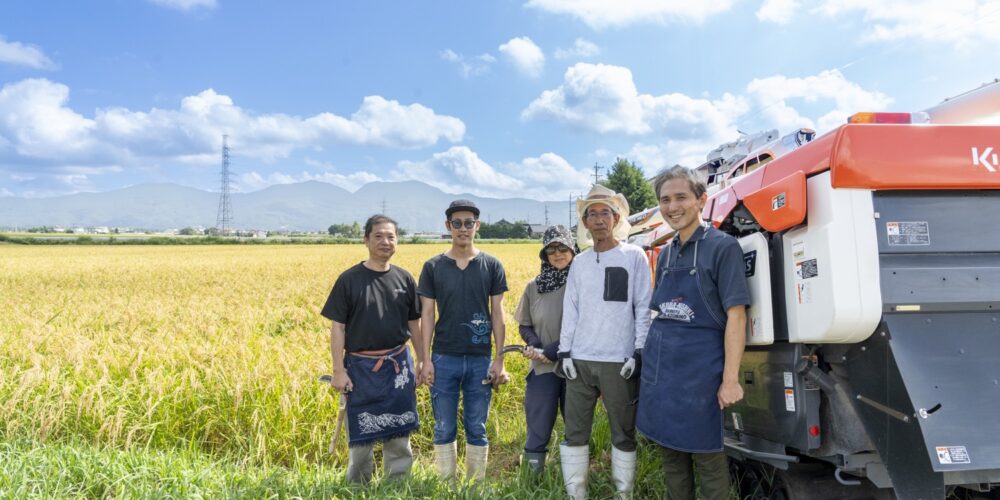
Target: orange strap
[(381, 355)]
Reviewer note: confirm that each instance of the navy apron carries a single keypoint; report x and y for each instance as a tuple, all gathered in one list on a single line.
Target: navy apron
[(682, 364), (383, 403)]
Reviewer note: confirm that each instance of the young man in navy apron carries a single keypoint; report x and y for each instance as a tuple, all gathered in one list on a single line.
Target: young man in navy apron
[(374, 309), (692, 353)]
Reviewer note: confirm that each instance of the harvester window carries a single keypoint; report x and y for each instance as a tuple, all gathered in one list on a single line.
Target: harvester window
[(760, 161)]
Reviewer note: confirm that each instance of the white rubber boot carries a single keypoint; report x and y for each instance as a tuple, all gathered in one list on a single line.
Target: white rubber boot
[(445, 458), (575, 465), (475, 461), (623, 471)]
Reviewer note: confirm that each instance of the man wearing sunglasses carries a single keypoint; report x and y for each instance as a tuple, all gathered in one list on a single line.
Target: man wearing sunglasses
[(466, 287)]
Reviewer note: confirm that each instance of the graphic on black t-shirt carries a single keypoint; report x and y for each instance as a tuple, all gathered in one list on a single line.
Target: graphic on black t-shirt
[(480, 326)]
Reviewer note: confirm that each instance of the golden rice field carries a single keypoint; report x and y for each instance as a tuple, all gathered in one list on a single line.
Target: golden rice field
[(124, 369)]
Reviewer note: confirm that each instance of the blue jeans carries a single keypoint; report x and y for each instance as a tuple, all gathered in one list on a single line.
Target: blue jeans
[(454, 375)]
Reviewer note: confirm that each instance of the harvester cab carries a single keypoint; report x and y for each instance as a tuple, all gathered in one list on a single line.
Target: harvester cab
[(873, 341)]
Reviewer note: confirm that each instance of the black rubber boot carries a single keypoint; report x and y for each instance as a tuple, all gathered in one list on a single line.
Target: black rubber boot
[(534, 460)]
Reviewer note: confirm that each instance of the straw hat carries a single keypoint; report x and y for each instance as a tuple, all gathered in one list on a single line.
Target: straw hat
[(618, 205)]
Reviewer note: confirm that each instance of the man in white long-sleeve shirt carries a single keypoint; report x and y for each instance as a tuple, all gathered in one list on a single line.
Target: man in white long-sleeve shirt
[(604, 326)]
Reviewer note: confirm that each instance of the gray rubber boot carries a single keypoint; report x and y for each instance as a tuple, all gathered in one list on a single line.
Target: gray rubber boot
[(397, 457), (475, 461), (445, 459), (535, 461), (623, 471), (360, 464), (575, 465)]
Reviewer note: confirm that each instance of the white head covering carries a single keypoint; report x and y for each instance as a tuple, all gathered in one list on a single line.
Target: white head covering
[(617, 203)]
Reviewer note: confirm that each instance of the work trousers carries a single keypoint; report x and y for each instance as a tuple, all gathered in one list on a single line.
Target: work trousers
[(544, 396), (397, 458), (600, 378), (678, 473)]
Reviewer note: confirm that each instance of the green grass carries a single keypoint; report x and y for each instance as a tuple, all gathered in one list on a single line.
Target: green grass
[(191, 371)]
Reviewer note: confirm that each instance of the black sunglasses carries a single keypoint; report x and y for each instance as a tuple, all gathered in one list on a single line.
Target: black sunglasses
[(551, 250), (458, 223)]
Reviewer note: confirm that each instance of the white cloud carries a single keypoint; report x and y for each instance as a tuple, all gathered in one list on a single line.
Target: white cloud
[(524, 55), (600, 14), (548, 173), (5, 192), (773, 93), (252, 181), (597, 97), (469, 66), (603, 99), (458, 168), (24, 55), (957, 22), (461, 170), (778, 11), (186, 5), (581, 49), (37, 127)]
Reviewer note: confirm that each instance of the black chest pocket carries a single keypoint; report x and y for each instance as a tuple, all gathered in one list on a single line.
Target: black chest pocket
[(616, 284)]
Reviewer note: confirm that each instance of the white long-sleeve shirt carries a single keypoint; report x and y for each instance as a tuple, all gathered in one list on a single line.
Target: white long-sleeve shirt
[(606, 307)]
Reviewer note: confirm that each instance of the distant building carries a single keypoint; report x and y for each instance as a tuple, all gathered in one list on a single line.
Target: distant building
[(536, 230)]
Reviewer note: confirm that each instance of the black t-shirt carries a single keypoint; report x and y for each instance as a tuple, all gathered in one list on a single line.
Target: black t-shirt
[(374, 305), (464, 326)]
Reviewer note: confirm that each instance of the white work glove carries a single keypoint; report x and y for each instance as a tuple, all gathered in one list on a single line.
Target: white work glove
[(566, 368), (632, 365), (628, 368)]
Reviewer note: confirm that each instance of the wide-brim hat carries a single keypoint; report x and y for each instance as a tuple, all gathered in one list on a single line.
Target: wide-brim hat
[(615, 201), (556, 234)]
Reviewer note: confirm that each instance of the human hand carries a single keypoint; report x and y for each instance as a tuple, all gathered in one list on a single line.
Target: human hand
[(628, 368), (565, 366), (498, 374), (632, 365), (729, 394), (426, 373), (534, 354), (341, 382)]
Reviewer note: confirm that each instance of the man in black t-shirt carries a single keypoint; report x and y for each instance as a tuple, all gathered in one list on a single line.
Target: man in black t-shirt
[(374, 310), (467, 286)]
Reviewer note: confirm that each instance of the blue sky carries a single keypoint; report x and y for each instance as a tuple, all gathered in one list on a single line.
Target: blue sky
[(498, 98)]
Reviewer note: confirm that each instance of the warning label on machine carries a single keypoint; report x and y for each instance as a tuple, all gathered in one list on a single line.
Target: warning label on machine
[(789, 400), (953, 455), (908, 233), (806, 269)]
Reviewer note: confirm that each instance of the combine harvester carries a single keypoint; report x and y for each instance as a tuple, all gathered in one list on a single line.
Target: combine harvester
[(872, 367)]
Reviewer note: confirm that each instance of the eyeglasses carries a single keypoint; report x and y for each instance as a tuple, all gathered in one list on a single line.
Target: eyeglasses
[(552, 249), (458, 223), (603, 214)]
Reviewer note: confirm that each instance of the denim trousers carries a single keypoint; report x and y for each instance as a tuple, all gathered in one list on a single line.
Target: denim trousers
[(463, 376)]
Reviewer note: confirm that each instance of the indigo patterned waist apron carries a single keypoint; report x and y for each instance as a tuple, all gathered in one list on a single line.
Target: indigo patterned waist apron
[(383, 403), (682, 364)]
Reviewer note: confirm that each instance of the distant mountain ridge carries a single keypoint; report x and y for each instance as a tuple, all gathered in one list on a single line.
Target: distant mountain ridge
[(303, 206)]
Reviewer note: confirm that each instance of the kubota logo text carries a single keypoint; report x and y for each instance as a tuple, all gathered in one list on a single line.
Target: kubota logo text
[(988, 159)]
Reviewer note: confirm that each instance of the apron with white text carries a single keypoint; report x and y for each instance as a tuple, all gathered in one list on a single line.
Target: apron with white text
[(682, 364)]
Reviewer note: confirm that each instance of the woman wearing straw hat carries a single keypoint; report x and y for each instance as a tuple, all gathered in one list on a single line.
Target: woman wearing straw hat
[(539, 315)]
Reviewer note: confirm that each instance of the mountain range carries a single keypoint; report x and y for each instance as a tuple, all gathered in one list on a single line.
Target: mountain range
[(304, 206)]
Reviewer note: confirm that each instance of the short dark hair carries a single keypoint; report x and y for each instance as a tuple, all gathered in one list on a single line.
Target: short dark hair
[(379, 219), (698, 186)]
